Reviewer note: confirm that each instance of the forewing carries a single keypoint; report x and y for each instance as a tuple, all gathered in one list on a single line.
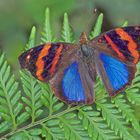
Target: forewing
[(43, 61), (123, 42)]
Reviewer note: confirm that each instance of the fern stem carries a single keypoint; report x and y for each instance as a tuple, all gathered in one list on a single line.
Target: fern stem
[(51, 105), (42, 121), (33, 103)]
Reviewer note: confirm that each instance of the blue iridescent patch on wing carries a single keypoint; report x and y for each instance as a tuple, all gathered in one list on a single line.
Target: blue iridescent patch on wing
[(117, 72), (72, 85)]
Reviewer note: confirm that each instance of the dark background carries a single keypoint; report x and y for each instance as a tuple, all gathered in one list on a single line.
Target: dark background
[(18, 16)]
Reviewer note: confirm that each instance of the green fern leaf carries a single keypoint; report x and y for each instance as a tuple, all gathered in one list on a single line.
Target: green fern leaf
[(97, 28), (114, 119), (70, 132), (33, 134), (127, 111), (31, 42), (63, 125), (133, 91), (95, 125), (52, 131), (67, 34), (125, 24), (72, 126), (33, 92), (10, 107), (49, 100), (47, 97), (47, 33)]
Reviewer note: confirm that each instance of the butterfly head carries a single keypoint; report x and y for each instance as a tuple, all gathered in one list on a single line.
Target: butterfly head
[(83, 39)]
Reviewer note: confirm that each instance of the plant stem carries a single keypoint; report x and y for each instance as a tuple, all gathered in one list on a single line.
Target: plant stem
[(41, 121), (33, 102), (51, 104)]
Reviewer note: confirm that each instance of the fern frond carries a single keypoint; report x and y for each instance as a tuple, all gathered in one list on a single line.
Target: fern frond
[(72, 126), (47, 97), (70, 132), (51, 130), (125, 24), (127, 111), (67, 34), (33, 94), (47, 35), (114, 119), (94, 124), (97, 28), (133, 92), (49, 100), (10, 107), (31, 42), (63, 125)]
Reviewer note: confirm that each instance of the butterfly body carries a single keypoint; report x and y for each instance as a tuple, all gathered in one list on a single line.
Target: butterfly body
[(71, 69)]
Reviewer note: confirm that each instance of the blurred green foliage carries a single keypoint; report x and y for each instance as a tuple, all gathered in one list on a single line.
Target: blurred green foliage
[(18, 16)]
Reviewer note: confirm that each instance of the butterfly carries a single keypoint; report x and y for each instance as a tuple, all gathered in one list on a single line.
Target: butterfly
[(71, 69)]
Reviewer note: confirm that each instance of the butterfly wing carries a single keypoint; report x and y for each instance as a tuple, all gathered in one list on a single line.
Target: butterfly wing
[(123, 42), (115, 74), (61, 66), (43, 61), (72, 83), (116, 54)]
